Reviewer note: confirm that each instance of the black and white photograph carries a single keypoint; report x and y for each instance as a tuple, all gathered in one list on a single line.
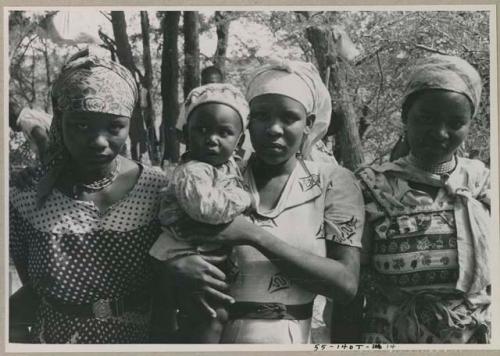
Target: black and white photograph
[(272, 176)]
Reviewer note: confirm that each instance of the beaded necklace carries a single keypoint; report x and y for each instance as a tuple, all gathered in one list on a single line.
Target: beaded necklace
[(97, 185), (443, 169)]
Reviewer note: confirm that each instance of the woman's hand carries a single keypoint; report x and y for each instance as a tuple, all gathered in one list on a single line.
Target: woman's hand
[(198, 277), (238, 232)]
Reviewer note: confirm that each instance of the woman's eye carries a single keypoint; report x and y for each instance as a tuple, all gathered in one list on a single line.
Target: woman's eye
[(291, 119), (456, 125), (258, 116), (425, 119), (115, 128), (81, 126)]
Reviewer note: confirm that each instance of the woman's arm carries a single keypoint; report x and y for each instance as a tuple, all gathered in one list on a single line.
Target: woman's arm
[(336, 276)]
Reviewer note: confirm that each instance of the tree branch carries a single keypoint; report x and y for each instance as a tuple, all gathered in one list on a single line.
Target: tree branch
[(381, 86), (429, 49), (106, 16)]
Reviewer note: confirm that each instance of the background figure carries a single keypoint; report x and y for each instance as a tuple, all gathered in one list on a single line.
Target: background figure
[(35, 126), (211, 74)]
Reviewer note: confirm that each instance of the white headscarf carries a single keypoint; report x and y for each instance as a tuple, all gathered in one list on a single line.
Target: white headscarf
[(222, 93), (301, 82)]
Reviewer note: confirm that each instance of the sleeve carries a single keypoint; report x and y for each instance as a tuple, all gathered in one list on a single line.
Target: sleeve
[(169, 211), (203, 200), (483, 185), (18, 244), (167, 246), (344, 209)]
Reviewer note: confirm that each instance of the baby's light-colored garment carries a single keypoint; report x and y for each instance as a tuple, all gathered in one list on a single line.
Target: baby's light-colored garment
[(208, 194)]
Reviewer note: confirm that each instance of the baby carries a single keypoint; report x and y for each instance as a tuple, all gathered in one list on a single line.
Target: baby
[(207, 185)]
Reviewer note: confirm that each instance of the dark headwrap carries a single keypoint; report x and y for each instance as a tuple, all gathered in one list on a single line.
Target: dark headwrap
[(86, 84)]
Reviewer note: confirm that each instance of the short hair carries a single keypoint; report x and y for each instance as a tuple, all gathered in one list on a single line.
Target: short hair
[(207, 71)]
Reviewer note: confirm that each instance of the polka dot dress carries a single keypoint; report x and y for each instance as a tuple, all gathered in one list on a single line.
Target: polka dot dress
[(76, 254)]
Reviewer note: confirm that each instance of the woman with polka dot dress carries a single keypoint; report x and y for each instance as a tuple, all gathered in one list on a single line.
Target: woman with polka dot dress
[(80, 234)]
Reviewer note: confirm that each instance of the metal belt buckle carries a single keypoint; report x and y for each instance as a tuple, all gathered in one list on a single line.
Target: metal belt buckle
[(102, 309)]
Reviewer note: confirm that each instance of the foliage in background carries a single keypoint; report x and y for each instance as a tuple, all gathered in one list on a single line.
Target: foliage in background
[(390, 43)]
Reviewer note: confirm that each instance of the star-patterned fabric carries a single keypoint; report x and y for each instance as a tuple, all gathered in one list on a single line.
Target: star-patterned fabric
[(320, 205), (76, 254)]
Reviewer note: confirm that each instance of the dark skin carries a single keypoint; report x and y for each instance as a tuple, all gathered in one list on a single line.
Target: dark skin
[(214, 130), (277, 124), (437, 123), (212, 77), (94, 141)]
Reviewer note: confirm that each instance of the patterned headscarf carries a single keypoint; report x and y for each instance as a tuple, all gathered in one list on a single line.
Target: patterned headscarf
[(87, 83), (301, 82), (446, 73), (222, 93)]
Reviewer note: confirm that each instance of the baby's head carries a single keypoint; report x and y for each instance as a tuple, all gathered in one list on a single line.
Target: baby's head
[(216, 117)]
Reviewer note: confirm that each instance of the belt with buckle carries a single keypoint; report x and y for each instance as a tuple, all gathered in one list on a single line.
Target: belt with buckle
[(102, 308), (271, 311)]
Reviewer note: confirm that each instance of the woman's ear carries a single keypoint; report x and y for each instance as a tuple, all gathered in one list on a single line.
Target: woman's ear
[(185, 135), (240, 140), (309, 123)]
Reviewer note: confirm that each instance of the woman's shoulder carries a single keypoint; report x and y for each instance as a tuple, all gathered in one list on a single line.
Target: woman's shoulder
[(23, 185), (472, 166), (371, 173), (332, 174), (473, 173), (153, 177)]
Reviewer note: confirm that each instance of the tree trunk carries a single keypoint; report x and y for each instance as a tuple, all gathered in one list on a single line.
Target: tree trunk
[(47, 75), (169, 85), (124, 54), (191, 29), (149, 114), (331, 69), (33, 79), (222, 28)]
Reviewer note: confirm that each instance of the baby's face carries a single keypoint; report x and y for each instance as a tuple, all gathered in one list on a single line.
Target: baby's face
[(213, 131)]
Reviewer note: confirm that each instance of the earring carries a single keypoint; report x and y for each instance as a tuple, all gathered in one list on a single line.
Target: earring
[(299, 154)]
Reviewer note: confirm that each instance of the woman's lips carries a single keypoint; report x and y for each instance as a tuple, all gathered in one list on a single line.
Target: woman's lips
[(99, 158), (275, 146)]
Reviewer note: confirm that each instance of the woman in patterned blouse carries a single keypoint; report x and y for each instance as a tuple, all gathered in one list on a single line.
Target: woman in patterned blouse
[(80, 235), (304, 236), (427, 278)]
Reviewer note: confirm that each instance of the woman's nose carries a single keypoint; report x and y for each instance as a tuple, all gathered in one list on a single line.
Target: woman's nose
[(275, 128), (441, 132), (99, 141)]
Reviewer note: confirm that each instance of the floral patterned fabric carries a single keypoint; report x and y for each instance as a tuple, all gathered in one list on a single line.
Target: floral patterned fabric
[(416, 283)]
